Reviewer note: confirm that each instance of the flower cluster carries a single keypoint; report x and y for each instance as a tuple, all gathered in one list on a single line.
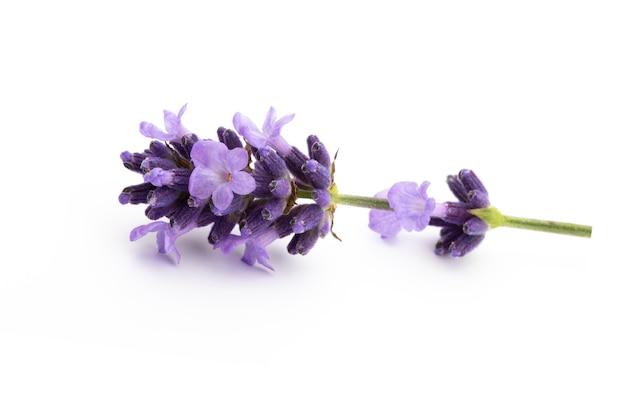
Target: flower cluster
[(461, 230), (252, 179), (225, 183)]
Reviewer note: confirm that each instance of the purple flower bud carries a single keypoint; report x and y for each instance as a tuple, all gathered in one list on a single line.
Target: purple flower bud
[(136, 194), (273, 208), (182, 215), (306, 217), (478, 199), (156, 212), (254, 219), (271, 163), (471, 181), (229, 138), (132, 161), (280, 188), (153, 162), (316, 174), (163, 196), (464, 244), (475, 226), (206, 217), (321, 197), (456, 213), (295, 159), (222, 227), (301, 244), (318, 151), (159, 150)]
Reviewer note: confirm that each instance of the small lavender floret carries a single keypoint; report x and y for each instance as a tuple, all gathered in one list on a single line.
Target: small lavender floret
[(411, 206), (269, 136), (174, 130), (218, 173)]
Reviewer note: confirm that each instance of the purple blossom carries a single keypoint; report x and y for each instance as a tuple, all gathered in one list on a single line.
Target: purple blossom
[(411, 204), (218, 173), (269, 136), (174, 130), (166, 235), (411, 209)]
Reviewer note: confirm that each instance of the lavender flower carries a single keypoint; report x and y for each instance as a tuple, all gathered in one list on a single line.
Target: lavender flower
[(257, 186), (411, 209), (174, 130), (218, 173), (269, 136)]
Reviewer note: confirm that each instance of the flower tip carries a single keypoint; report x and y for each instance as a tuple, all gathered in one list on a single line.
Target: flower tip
[(124, 198)]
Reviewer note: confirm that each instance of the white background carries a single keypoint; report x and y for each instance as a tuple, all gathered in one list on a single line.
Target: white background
[(530, 95)]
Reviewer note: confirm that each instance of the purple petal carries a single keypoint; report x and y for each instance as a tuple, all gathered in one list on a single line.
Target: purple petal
[(411, 204), (166, 236), (250, 132), (140, 231), (222, 196), (227, 243), (208, 153), (385, 223), (254, 253), (236, 159), (151, 131), (242, 183), (269, 120), (172, 122), (278, 125), (202, 183)]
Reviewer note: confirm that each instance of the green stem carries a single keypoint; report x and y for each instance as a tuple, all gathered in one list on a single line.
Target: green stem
[(548, 226), (353, 200), (494, 218)]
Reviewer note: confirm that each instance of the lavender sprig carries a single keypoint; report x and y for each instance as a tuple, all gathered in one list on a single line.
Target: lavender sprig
[(256, 184)]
